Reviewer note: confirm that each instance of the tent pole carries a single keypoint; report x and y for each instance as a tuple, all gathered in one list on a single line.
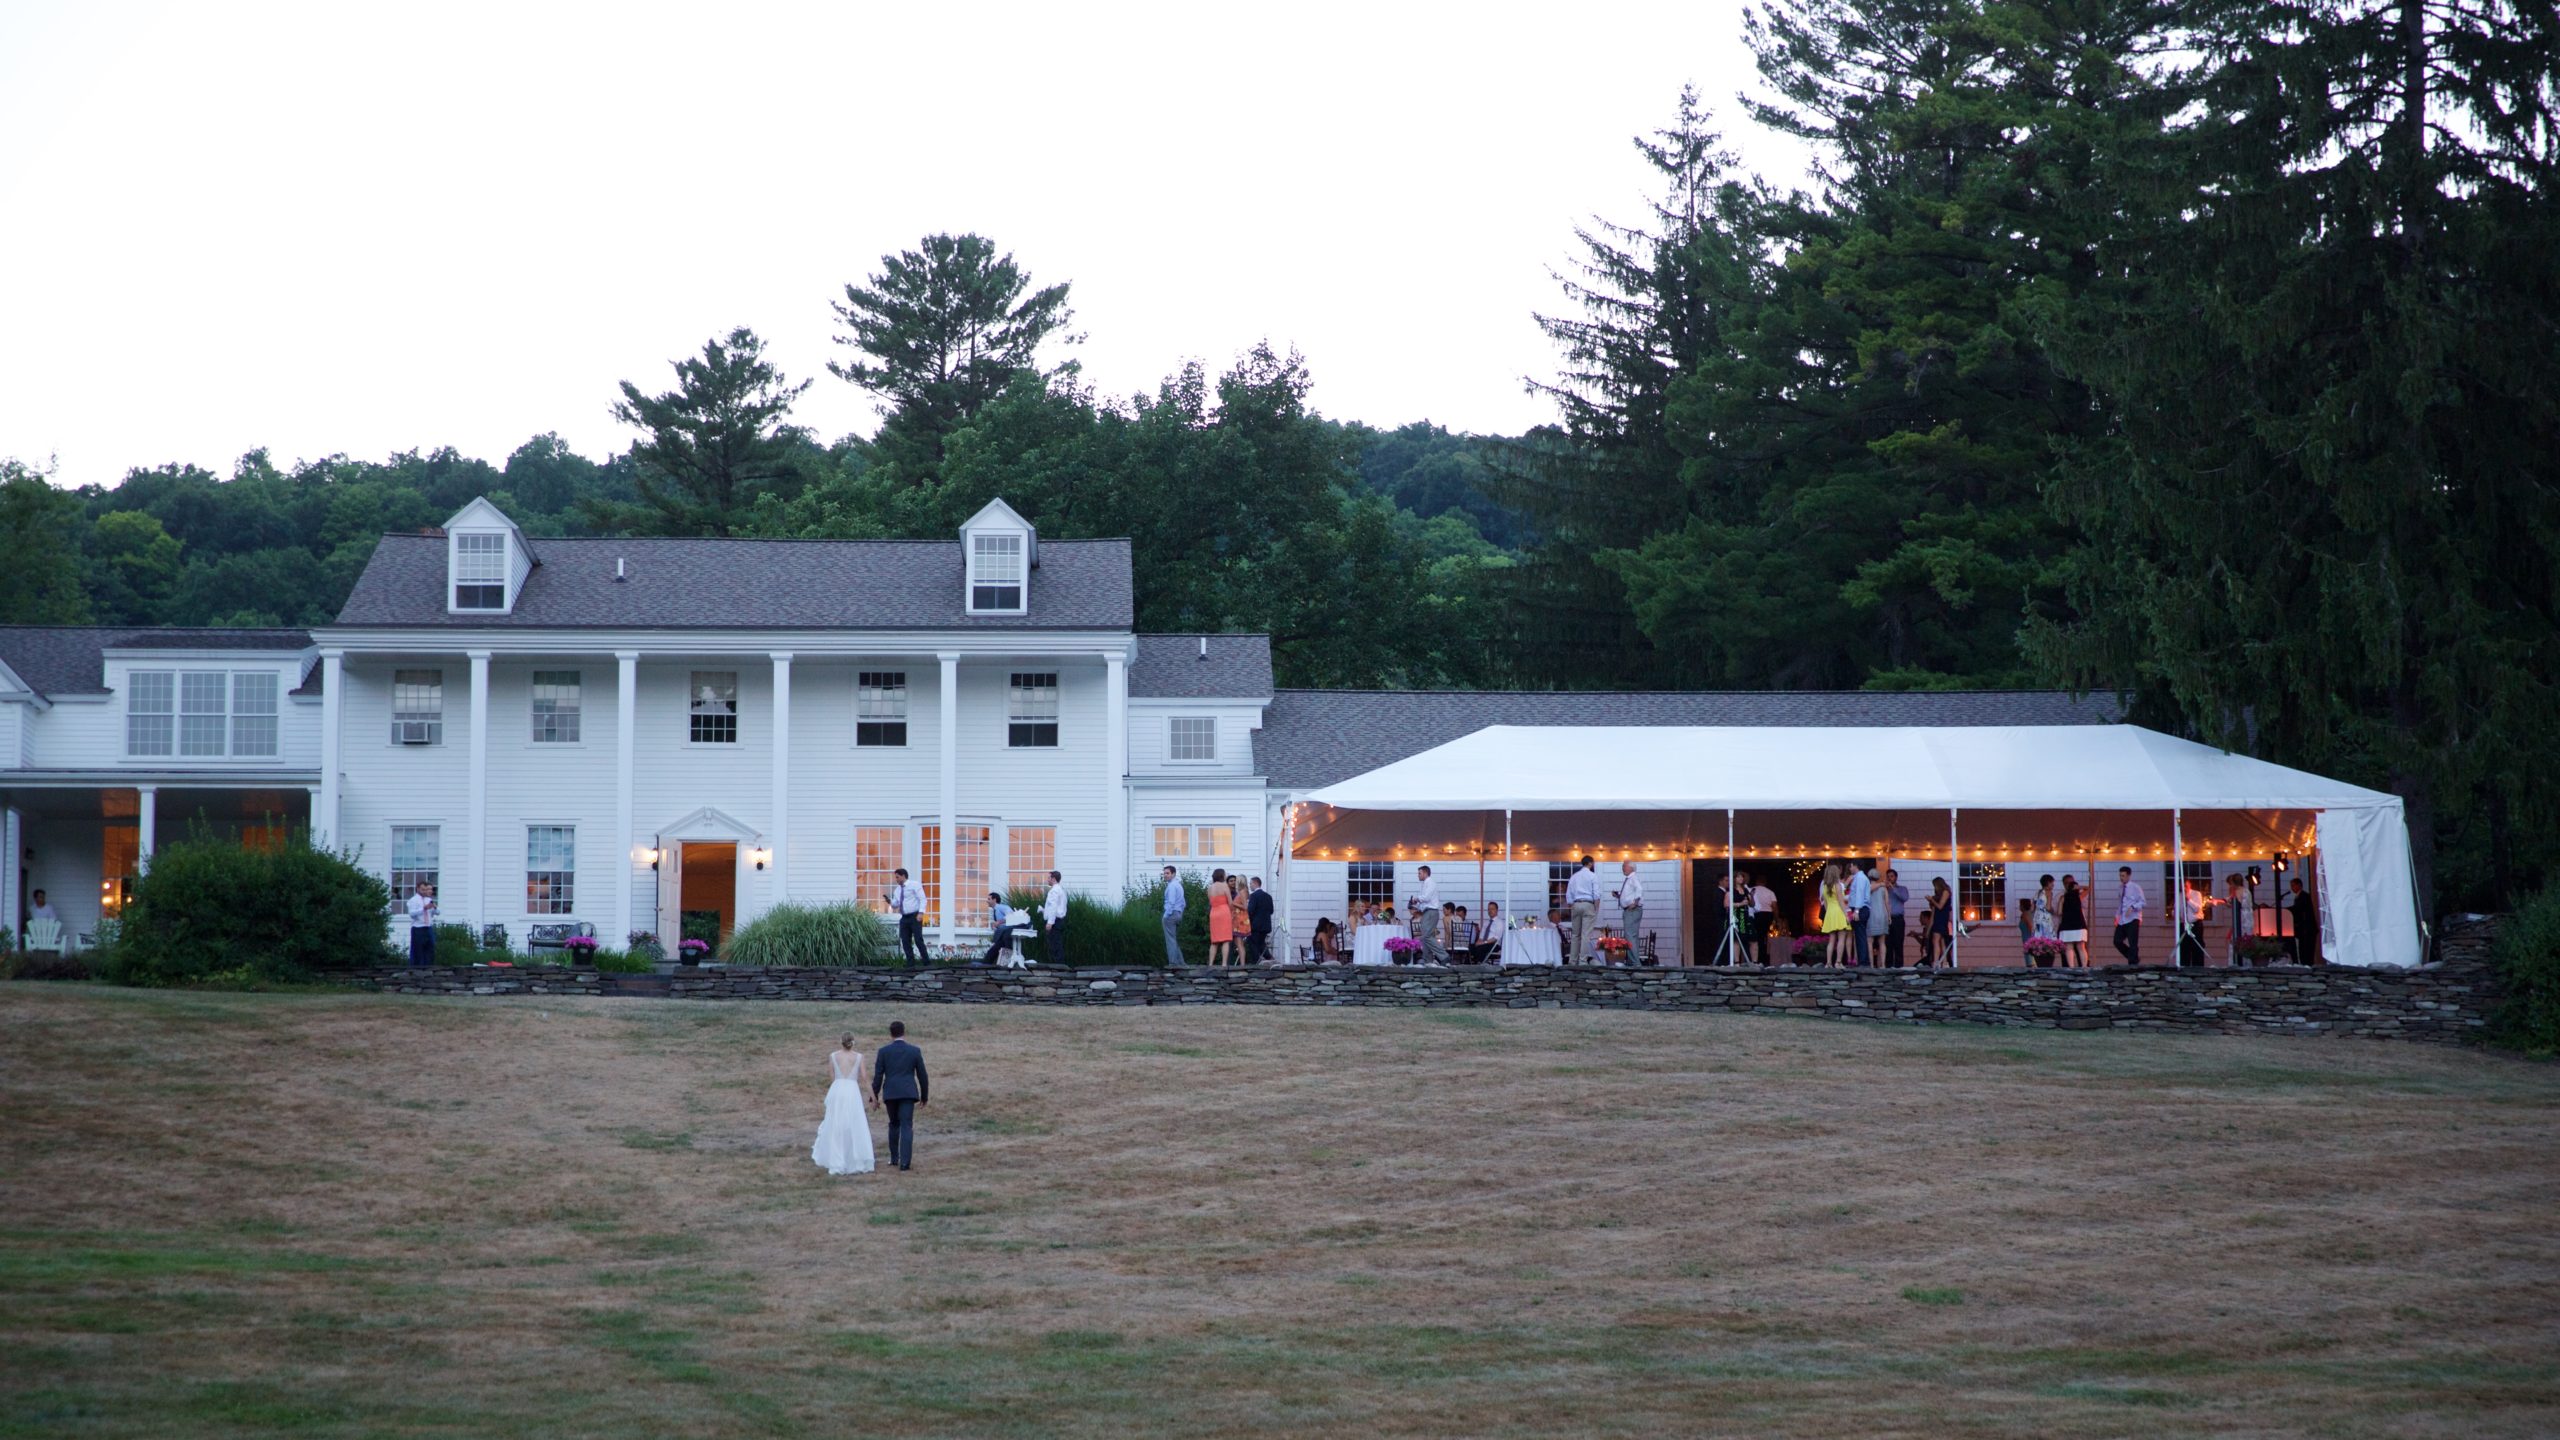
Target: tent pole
[(1732, 936), (1506, 881), (2177, 896), (1955, 923)]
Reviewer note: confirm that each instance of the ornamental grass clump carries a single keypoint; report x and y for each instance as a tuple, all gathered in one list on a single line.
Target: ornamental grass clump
[(831, 936)]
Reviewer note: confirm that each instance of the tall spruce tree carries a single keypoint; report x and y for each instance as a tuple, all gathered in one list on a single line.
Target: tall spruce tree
[(714, 444), (2329, 525)]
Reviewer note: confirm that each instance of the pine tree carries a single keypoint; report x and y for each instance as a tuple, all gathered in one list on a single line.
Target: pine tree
[(715, 444)]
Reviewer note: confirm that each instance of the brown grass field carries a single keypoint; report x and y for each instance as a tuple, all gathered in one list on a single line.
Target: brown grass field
[(312, 1214)]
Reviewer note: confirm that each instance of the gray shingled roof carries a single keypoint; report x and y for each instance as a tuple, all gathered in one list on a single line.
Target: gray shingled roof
[(1316, 737), (748, 585), (71, 659), (1171, 667)]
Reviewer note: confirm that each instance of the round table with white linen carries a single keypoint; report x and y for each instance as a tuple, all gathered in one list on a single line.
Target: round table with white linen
[(1532, 947), (1369, 943)]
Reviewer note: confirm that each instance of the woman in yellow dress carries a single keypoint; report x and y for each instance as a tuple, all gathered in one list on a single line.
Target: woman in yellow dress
[(1835, 917)]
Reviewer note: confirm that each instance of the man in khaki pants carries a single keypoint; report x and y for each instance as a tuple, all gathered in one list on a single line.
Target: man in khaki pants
[(1582, 901)]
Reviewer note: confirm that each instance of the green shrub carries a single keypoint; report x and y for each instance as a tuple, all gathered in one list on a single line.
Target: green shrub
[(457, 945), (619, 962), (210, 907), (828, 935), (47, 965), (2528, 959)]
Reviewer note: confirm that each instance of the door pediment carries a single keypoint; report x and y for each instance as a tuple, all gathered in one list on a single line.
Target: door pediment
[(709, 823)]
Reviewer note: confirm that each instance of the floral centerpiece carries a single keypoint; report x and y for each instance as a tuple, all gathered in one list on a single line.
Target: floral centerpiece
[(2043, 951), (1613, 947), (1402, 948), (691, 951)]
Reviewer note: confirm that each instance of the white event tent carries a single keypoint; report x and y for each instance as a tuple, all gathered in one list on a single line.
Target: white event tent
[(1957, 792)]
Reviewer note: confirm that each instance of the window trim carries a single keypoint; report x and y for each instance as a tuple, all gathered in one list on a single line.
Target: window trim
[(1173, 743), (1016, 724), (693, 717), (1192, 832), (391, 870), (568, 907), (867, 680), (219, 714), (456, 581), (576, 712), (1019, 577)]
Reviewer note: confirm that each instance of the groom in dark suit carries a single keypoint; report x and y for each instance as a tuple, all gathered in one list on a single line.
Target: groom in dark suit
[(898, 1080)]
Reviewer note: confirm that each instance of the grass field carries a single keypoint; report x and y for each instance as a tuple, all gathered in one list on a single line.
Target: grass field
[(357, 1215)]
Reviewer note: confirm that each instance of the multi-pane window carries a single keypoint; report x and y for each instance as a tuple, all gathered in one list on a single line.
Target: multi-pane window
[(479, 572), (1196, 842), (1981, 888), (1173, 842), (880, 708), (151, 713), (1191, 737), (417, 707), (1215, 842), (1030, 853), (204, 711), (878, 851), (1031, 710), (201, 713), (1559, 879), (929, 870), (555, 707), (995, 573), (715, 707), (976, 845), (1373, 882), (550, 869), (253, 713), (2199, 874), (416, 851)]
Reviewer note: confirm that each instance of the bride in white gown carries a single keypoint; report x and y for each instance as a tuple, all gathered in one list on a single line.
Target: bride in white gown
[(844, 1137)]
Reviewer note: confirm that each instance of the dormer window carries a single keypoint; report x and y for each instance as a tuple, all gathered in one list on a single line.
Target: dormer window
[(479, 572), (996, 573)]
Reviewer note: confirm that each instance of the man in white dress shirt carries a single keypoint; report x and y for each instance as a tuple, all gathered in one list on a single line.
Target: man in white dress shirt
[(422, 924), (1053, 918), (1862, 893), (907, 898), (2129, 903), (1582, 901), (1426, 891), (1631, 909)]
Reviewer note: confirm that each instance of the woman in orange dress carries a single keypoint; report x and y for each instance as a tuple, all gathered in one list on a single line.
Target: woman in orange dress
[(1222, 920)]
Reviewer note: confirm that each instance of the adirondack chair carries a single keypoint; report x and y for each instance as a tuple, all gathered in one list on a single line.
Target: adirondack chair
[(44, 935)]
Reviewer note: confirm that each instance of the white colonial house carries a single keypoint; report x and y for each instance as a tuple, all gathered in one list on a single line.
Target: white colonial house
[(621, 731)]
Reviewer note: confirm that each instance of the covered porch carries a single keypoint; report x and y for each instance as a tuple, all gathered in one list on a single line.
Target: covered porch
[(82, 840)]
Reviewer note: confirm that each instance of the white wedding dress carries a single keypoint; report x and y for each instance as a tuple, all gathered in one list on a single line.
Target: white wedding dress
[(844, 1137)]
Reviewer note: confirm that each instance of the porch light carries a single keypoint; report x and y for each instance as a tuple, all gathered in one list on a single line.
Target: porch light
[(648, 855), (762, 855)]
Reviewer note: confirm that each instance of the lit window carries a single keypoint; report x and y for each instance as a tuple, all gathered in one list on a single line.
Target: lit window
[(417, 707), (995, 574), (880, 708), (1192, 737), (204, 711), (415, 853), (253, 713), (1173, 842), (550, 869), (1559, 875), (1216, 842), (1373, 882), (715, 707), (975, 847), (1031, 711), (1196, 842), (555, 707), (1979, 890), (878, 851), (1030, 853), (151, 713), (479, 572), (929, 870)]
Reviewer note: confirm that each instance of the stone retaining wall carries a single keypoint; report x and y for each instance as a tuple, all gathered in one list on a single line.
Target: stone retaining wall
[(2445, 1002)]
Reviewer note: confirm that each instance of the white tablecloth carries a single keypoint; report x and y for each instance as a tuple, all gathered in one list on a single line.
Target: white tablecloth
[(1369, 943), (1532, 947)]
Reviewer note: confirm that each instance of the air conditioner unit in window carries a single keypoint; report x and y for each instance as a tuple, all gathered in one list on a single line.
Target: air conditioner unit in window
[(413, 732)]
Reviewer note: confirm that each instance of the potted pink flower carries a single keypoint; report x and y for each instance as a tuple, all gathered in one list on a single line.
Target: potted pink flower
[(581, 948), (692, 950)]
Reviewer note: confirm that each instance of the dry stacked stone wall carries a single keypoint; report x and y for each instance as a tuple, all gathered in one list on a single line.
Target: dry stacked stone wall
[(2448, 1001)]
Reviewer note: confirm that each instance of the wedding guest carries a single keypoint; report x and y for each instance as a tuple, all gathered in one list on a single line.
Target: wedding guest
[(1582, 897), (2193, 906), (1257, 912), (1238, 921), (2045, 908), (2073, 931), (907, 900), (2305, 909), (39, 908), (1631, 908), (1835, 918), (1053, 916), (1897, 903), (1488, 946), (2129, 903), (1222, 920), (2026, 923), (422, 922), (1879, 926), (2244, 915), (1764, 916), (1426, 891), (1175, 902), (1328, 943), (1861, 893), (1937, 945), (1002, 921)]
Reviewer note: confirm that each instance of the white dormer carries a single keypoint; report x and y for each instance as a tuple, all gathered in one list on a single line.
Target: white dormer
[(485, 561), (1002, 551)]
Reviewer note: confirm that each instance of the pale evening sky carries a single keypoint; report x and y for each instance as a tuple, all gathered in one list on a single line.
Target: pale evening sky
[(366, 228)]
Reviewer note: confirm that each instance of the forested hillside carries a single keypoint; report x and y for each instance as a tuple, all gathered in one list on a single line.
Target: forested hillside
[(2199, 351)]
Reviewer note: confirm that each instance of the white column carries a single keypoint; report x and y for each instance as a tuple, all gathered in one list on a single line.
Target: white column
[(475, 850), (147, 805), (1955, 876), (778, 832), (324, 810), (950, 928), (626, 707), (1115, 744)]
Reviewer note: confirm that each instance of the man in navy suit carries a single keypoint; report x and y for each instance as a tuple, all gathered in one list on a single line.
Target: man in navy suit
[(898, 1081), (1257, 909)]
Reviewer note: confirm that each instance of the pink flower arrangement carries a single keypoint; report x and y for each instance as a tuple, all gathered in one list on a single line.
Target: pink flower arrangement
[(582, 946), (1402, 944), (692, 948), (2043, 949)]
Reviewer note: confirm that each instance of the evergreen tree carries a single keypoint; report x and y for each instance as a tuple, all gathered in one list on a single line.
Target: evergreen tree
[(939, 333), (716, 443)]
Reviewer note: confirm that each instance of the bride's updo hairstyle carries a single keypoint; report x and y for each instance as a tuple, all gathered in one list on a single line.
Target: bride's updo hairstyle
[(848, 1042)]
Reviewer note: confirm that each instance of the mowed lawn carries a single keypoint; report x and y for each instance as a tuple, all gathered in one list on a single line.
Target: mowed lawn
[(360, 1215)]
